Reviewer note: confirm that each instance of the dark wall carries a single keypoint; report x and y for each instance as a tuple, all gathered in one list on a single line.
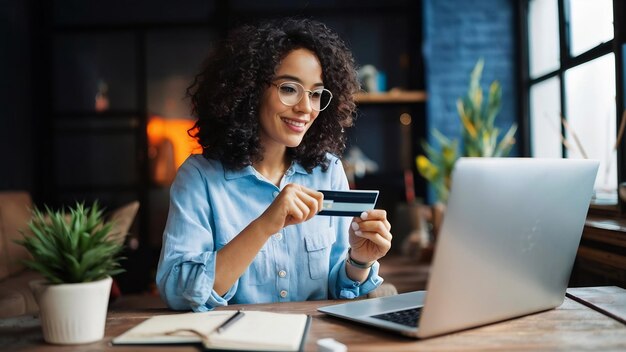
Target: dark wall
[(16, 138)]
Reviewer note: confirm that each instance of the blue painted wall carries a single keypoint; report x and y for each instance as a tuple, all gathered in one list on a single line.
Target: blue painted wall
[(456, 34)]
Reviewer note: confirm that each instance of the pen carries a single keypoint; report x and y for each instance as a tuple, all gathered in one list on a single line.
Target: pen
[(230, 321)]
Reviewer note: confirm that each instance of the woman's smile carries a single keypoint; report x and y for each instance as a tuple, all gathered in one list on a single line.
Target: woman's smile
[(294, 125)]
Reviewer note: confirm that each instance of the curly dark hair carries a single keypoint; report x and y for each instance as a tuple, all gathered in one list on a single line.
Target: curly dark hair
[(226, 94)]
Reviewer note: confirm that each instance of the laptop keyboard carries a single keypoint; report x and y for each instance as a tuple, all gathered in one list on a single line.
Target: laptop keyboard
[(406, 317)]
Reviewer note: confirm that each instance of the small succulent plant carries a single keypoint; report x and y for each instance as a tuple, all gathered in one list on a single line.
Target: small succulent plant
[(73, 247)]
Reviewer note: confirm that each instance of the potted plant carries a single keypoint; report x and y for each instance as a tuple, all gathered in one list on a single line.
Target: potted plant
[(481, 138), (76, 253)]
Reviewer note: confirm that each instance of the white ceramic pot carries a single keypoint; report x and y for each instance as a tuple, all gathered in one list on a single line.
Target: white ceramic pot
[(72, 313)]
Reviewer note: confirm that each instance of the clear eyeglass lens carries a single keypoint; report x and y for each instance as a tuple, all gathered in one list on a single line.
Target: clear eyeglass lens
[(291, 93)]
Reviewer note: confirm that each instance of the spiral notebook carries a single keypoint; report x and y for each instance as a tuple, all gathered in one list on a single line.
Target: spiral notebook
[(254, 331)]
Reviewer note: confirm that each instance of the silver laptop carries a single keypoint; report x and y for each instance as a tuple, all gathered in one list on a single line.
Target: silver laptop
[(506, 248)]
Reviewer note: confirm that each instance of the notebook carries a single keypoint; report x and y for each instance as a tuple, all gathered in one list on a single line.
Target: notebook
[(254, 331), (506, 248)]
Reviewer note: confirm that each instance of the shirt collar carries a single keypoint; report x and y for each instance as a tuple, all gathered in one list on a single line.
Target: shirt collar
[(249, 171), (296, 167), (230, 174)]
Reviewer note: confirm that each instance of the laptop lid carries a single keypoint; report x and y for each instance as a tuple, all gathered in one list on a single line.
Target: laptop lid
[(506, 247), (508, 241)]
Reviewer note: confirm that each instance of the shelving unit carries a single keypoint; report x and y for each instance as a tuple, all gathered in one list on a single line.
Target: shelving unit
[(601, 258), (391, 97)]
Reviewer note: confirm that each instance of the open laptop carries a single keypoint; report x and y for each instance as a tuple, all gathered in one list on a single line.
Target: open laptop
[(506, 248)]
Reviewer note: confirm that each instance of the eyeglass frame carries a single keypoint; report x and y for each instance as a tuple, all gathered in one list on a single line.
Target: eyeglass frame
[(310, 92)]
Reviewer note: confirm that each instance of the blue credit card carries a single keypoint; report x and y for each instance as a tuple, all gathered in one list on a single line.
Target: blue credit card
[(347, 203)]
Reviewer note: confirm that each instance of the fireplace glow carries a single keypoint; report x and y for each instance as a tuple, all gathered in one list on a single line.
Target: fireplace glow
[(168, 146)]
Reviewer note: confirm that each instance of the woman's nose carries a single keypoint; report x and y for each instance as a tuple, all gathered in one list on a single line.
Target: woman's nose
[(304, 105)]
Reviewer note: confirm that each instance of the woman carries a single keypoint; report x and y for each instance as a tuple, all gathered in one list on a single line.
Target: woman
[(272, 103)]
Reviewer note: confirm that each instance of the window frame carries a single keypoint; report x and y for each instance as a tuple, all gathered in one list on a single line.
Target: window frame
[(617, 46)]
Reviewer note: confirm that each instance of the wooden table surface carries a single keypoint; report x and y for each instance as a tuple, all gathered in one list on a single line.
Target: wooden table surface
[(572, 326)]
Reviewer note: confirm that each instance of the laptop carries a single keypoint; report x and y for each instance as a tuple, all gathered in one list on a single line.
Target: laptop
[(506, 248)]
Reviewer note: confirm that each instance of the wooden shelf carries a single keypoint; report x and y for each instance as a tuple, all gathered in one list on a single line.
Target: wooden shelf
[(601, 255), (392, 97)]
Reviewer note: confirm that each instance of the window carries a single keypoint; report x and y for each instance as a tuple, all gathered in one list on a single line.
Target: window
[(573, 80)]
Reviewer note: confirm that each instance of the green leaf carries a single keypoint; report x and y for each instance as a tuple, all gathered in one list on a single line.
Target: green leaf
[(494, 102), (479, 136), (507, 142), (437, 165), (73, 246)]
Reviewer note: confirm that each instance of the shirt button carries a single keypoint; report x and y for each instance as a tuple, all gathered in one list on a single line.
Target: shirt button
[(282, 273), (278, 236), (275, 194), (283, 293)]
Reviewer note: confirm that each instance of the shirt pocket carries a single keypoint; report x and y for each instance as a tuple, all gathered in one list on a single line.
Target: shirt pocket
[(260, 271), (318, 244)]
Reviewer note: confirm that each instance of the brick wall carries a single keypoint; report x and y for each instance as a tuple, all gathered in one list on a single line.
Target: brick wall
[(456, 34)]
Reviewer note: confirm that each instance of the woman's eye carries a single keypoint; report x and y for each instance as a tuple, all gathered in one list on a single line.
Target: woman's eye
[(286, 89), (316, 94)]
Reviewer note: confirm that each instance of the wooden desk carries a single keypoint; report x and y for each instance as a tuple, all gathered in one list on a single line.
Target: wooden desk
[(572, 326)]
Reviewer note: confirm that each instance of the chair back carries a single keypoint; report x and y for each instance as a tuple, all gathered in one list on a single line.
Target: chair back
[(15, 212)]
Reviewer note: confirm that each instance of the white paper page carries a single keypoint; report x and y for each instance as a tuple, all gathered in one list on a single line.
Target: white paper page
[(263, 330), (153, 330)]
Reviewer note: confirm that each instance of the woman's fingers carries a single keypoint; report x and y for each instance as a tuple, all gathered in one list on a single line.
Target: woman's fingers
[(303, 203), (376, 214), (315, 195), (303, 209), (374, 221), (374, 228), (295, 213), (381, 242), (377, 226), (311, 203)]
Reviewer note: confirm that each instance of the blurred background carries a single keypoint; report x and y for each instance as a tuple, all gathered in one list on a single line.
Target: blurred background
[(93, 92)]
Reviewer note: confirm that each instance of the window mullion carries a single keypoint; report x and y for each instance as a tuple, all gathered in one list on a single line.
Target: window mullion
[(619, 48), (564, 59)]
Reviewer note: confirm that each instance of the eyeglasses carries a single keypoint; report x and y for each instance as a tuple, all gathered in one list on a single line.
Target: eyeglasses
[(290, 94)]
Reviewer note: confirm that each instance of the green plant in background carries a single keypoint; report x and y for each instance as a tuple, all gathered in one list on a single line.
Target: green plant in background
[(72, 248), (436, 166), (479, 134)]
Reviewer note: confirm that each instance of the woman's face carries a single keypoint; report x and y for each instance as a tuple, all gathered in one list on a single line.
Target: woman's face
[(283, 125)]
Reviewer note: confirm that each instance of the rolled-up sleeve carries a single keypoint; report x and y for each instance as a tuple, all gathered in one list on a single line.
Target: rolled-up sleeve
[(186, 270), (349, 289)]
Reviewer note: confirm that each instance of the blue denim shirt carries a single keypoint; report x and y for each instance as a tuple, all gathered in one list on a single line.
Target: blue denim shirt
[(210, 205)]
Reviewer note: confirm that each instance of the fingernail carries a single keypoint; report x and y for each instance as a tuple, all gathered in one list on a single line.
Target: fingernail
[(358, 233), (355, 226), (364, 215)]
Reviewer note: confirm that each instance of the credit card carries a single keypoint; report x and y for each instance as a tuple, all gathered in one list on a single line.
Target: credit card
[(347, 203)]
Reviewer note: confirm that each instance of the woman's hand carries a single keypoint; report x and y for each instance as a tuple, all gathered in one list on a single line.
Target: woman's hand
[(370, 238), (293, 205)]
